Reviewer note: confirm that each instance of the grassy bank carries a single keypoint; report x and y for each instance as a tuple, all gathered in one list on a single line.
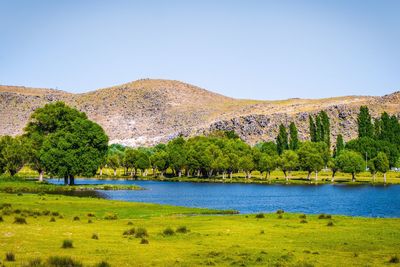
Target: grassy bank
[(234, 240), (25, 186)]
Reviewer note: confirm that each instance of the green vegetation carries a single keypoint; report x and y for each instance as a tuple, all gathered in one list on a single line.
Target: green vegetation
[(219, 240)]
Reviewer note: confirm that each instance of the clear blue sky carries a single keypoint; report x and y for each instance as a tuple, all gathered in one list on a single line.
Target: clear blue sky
[(243, 49)]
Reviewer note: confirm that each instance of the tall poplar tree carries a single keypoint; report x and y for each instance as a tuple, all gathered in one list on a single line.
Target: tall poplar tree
[(313, 130), (365, 127), (282, 139), (294, 139)]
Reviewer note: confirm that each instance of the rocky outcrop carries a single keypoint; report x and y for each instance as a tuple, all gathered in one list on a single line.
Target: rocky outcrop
[(147, 112)]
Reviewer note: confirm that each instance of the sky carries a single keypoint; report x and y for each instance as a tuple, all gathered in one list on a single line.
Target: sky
[(243, 49)]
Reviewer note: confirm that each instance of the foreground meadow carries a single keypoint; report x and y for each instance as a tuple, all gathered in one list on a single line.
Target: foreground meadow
[(96, 228)]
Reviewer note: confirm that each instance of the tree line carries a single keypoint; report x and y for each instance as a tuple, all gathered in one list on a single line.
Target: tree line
[(63, 142)]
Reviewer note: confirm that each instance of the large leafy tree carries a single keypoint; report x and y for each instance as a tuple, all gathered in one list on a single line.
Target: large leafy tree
[(364, 121), (350, 162), (311, 158), (76, 149), (289, 162), (177, 155), (13, 154), (381, 163)]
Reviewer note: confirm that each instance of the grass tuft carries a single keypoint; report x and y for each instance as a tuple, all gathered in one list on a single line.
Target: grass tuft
[(20, 220), (141, 232), (260, 216), (91, 214), (144, 241), (280, 211), (303, 221), (182, 230), (103, 264), (67, 243), (168, 231), (1, 219), (95, 236), (110, 216), (76, 218), (10, 256), (302, 216), (63, 261), (130, 223), (329, 223), (36, 262), (52, 219), (394, 259), (130, 231)]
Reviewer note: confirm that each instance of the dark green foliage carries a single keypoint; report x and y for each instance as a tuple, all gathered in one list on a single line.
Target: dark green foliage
[(260, 216), (339, 146), (282, 140), (95, 236), (67, 243), (141, 232), (294, 139), (63, 261), (311, 157), (364, 121), (182, 230), (13, 154), (20, 220), (312, 129), (10, 256), (168, 231), (350, 162)]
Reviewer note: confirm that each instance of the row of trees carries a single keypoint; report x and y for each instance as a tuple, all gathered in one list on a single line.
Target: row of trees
[(62, 142)]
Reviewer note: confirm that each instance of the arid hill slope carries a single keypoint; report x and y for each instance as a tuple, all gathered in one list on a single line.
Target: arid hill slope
[(146, 112)]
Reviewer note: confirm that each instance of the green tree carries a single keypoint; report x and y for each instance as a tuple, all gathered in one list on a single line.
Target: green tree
[(13, 154), (372, 168), (350, 162), (177, 155), (339, 145), (77, 149), (333, 165), (113, 161), (294, 139), (313, 129), (289, 162), (268, 163), (282, 140), (382, 164), (364, 121), (310, 158), (159, 161), (246, 164), (143, 160)]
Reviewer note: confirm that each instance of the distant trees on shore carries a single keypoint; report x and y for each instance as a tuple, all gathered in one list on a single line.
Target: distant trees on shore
[(63, 142)]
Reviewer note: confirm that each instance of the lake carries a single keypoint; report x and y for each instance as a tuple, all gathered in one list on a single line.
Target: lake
[(354, 200)]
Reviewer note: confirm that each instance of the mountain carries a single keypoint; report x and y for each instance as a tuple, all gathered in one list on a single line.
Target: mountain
[(147, 111)]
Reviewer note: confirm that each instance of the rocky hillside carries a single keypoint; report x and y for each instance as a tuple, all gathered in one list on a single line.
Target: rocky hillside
[(146, 112)]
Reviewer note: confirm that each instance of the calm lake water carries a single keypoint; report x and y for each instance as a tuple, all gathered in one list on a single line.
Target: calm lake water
[(360, 200)]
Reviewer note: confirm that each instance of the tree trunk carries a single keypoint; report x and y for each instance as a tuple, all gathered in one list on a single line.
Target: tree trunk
[(284, 173), (65, 180), (373, 178), (230, 175), (115, 172), (71, 180), (40, 175), (198, 173), (308, 175), (249, 174), (353, 177), (316, 175), (101, 171), (179, 173), (384, 178)]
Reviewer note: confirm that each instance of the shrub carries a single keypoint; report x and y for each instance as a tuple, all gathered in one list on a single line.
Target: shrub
[(17, 211), (280, 216), (103, 264), (36, 262), (20, 220), (262, 232), (52, 219), (46, 212), (76, 218), (95, 236), (129, 231), (90, 221), (67, 243), (168, 231), (5, 205), (64, 261), (90, 214), (182, 230), (330, 223), (260, 215), (55, 213), (303, 221), (1, 219), (61, 217), (302, 216), (10, 256), (321, 216), (394, 259), (110, 216), (144, 241), (280, 211), (141, 232), (328, 216), (130, 223)]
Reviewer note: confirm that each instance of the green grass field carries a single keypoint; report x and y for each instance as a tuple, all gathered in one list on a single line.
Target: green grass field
[(223, 240)]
